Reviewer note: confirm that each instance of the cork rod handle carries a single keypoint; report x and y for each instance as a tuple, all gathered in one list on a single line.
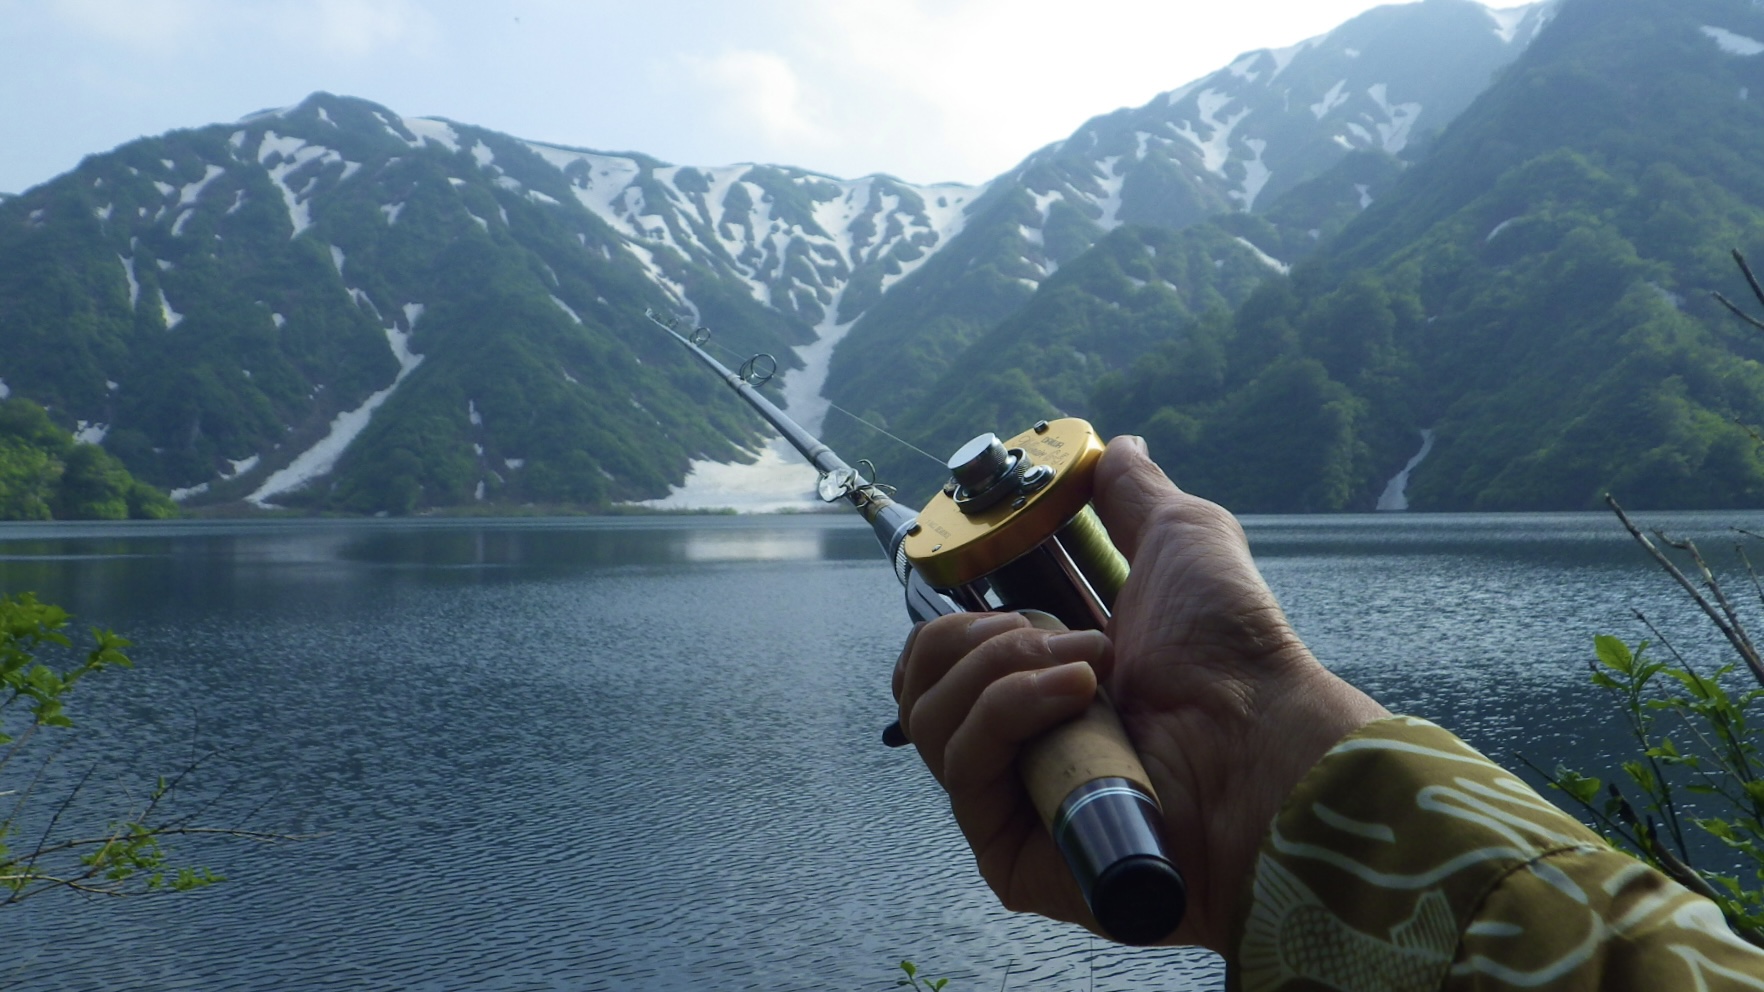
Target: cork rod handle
[(1097, 802)]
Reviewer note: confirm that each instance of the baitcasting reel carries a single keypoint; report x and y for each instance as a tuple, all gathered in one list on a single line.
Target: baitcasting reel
[(1013, 530)]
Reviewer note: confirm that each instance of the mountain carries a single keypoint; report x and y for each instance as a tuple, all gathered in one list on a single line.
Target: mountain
[(1443, 257), (334, 307), (1524, 320), (1233, 141), (1137, 291)]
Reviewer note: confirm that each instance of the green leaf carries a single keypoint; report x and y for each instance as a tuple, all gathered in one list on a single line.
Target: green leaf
[(1642, 775), (1581, 787), (1613, 653)]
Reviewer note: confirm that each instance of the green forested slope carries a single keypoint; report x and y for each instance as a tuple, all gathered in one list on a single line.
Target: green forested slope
[(219, 297), (46, 475), (1536, 292)]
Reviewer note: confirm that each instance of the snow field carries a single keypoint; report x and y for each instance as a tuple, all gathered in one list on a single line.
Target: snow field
[(322, 457), (1734, 44), (128, 264), (1266, 259)]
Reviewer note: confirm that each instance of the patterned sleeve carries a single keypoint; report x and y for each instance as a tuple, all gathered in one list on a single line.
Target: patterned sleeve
[(1407, 862)]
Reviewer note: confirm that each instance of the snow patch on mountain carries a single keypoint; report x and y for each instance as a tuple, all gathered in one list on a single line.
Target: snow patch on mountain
[(128, 264), (1336, 96), (566, 308), (1266, 259), (172, 317), (1255, 175), (291, 155), (1113, 179), (779, 478), (1394, 132), (188, 195), (5, 390), (425, 129), (322, 457), (89, 433), (1283, 56), (730, 219), (1734, 44), (1215, 146), (1508, 22), (1495, 231)]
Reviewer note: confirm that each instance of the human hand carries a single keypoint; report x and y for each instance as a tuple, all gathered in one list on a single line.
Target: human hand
[(1226, 706)]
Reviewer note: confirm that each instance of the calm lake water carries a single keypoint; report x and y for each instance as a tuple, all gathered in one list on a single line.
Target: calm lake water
[(643, 753)]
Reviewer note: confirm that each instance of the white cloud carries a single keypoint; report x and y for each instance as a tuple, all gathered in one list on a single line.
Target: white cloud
[(360, 28), (963, 89), (758, 90), (346, 28), (159, 26)]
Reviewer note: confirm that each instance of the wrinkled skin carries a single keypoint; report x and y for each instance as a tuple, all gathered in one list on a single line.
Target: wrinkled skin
[(1226, 706)]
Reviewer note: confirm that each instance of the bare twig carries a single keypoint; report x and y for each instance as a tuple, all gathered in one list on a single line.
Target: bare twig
[(1751, 280), (1737, 312), (1714, 586), (1740, 642)]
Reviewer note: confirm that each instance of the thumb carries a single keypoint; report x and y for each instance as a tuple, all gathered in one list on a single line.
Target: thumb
[(1129, 486)]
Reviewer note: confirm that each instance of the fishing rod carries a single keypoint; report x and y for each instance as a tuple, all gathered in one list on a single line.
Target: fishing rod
[(1013, 529)]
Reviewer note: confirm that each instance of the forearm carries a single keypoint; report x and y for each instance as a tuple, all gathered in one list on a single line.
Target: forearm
[(1406, 861)]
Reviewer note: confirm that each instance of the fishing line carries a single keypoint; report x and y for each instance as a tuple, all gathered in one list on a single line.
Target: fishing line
[(757, 370), (940, 462)]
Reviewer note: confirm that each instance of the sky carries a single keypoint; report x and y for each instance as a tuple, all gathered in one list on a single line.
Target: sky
[(926, 90)]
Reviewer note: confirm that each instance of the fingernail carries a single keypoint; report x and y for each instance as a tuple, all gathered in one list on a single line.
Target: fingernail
[(995, 624), (1075, 679), (1078, 645), (1135, 442)]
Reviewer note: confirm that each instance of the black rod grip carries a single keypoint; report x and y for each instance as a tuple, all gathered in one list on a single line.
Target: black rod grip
[(1107, 830), (1097, 802)]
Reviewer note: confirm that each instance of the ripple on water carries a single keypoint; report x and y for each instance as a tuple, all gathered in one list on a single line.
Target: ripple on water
[(604, 765)]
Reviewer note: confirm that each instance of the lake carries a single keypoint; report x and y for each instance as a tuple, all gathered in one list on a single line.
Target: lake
[(643, 752)]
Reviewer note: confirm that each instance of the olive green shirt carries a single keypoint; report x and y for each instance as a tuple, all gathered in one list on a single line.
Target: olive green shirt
[(1407, 862)]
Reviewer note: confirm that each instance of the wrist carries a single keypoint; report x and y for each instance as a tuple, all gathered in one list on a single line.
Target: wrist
[(1313, 711)]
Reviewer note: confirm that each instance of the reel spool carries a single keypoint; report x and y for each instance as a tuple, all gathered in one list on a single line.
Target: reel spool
[(1013, 530)]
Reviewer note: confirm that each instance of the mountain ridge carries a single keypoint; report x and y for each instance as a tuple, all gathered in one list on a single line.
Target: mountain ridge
[(334, 308)]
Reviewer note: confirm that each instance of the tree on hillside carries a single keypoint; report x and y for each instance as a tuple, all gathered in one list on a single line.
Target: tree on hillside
[(46, 475)]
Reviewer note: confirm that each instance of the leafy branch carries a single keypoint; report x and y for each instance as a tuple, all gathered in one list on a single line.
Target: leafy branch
[(128, 856), (1694, 737)]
